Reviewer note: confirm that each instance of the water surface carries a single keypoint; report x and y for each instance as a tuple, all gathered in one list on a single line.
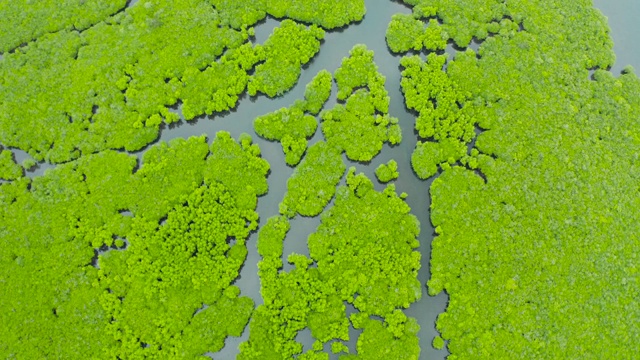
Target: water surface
[(624, 19)]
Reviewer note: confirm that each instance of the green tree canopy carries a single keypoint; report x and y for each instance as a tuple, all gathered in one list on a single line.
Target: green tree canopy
[(313, 182), (387, 172), (362, 125)]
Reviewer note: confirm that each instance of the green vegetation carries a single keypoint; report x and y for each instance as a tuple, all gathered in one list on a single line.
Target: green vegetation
[(141, 301), (445, 117), (109, 255), (9, 170), (239, 167), (213, 89), (387, 172), (154, 291), (291, 126), (377, 342), (326, 13), (438, 343), (346, 234), (112, 85), (24, 21), (128, 260), (406, 32), (362, 125), (290, 46), (365, 224), (28, 163), (373, 226), (536, 225), (313, 182), (428, 155), (318, 91), (338, 347)]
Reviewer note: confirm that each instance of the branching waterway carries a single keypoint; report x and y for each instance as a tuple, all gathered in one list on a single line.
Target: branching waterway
[(336, 45)]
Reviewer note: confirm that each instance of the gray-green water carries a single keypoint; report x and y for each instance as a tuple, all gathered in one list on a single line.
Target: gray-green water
[(624, 16), (624, 21), (371, 32)]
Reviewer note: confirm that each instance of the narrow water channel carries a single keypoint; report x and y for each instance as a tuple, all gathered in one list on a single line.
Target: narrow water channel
[(336, 45), (623, 19)]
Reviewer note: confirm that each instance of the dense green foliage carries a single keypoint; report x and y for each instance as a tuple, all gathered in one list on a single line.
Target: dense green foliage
[(290, 46), (110, 85), (24, 21), (292, 126), (387, 279), (379, 342), (113, 84), (239, 167), (314, 296), (362, 125), (162, 279), (445, 117), (111, 256), (141, 301), (128, 260), (406, 32), (538, 253), (313, 182), (9, 170), (318, 91), (387, 172), (326, 13), (427, 155), (438, 342), (375, 227)]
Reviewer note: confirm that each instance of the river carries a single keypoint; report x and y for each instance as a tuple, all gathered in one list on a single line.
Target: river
[(623, 20)]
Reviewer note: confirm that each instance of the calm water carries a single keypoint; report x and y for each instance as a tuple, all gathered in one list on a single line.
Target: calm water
[(623, 17), (336, 45), (624, 21)]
